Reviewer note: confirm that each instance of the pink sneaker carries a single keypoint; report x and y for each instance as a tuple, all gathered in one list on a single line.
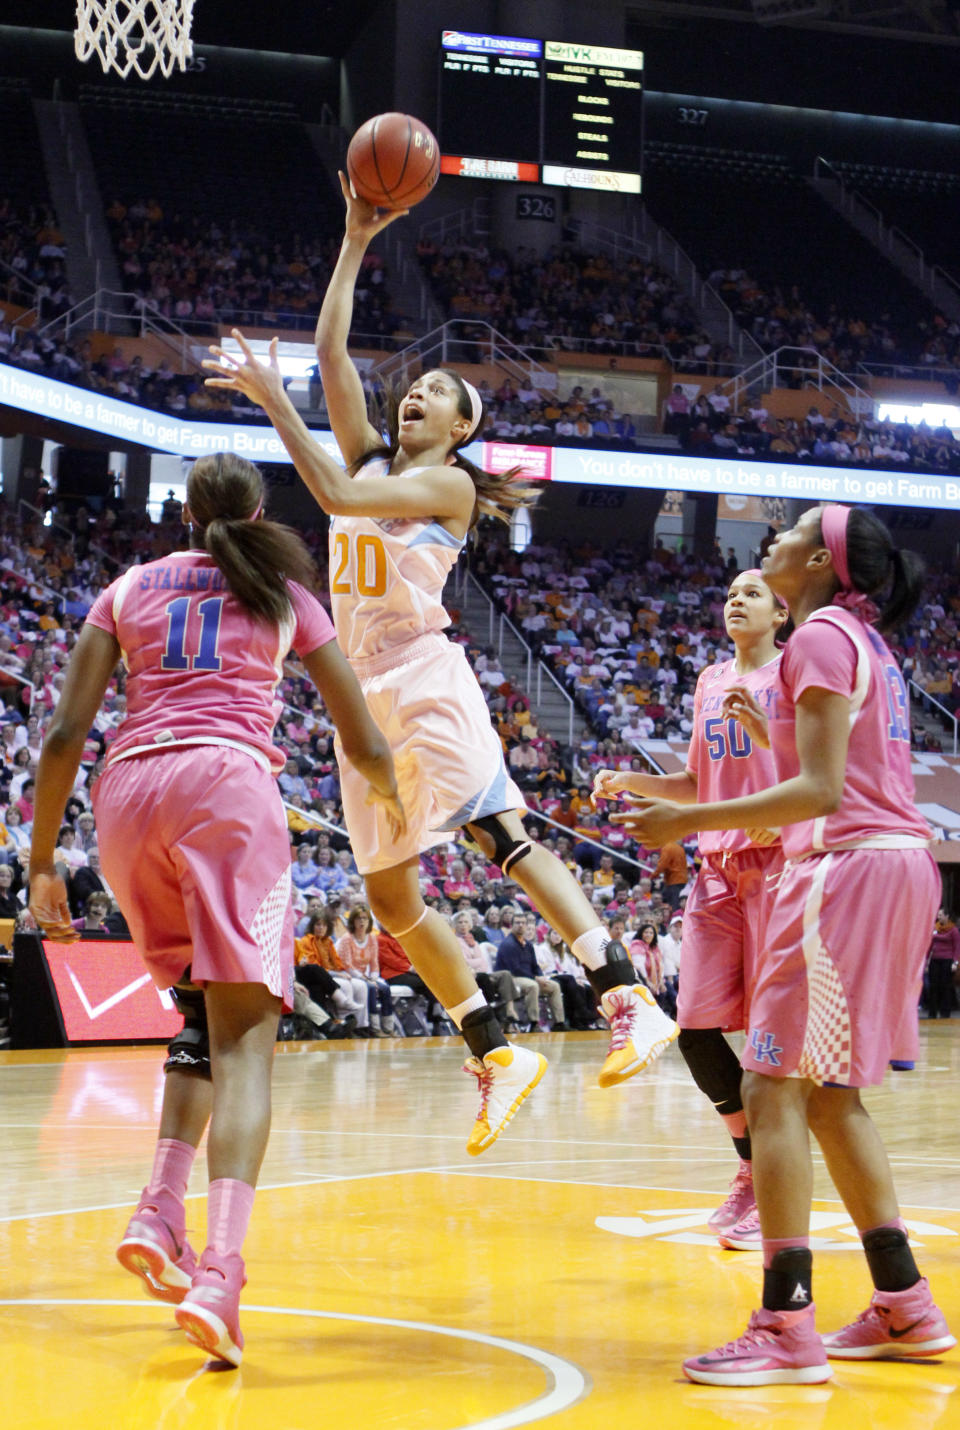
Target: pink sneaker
[(740, 1200), (210, 1311), (777, 1348), (155, 1247), (897, 1325), (746, 1235)]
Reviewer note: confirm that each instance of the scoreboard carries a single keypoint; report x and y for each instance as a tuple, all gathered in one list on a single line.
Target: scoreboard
[(540, 111)]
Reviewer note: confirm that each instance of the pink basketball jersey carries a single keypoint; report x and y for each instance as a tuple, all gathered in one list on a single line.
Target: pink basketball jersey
[(834, 650), (726, 762), (202, 670), (387, 576)]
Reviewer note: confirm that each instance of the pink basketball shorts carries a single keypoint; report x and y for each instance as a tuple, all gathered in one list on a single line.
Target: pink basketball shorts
[(838, 982), (724, 925), (194, 844), (449, 760)]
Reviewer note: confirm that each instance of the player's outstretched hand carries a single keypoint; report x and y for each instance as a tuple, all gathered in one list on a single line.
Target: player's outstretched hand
[(654, 822), (261, 382), (611, 784), (763, 837), (48, 904), (392, 807), (364, 220), (746, 709)]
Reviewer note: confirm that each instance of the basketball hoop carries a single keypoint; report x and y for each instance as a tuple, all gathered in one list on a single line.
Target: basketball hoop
[(139, 35)]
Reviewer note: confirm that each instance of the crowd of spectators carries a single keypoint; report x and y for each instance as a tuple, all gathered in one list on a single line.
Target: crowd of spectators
[(568, 300), (33, 260), (202, 275), (776, 318), (628, 635), (705, 426)]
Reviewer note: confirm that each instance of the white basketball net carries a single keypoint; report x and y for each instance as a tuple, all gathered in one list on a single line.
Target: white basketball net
[(139, 35)]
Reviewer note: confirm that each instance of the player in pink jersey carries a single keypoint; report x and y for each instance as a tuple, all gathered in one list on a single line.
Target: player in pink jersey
[(401, 513), (845, 944), (194, 842), (726, 913)]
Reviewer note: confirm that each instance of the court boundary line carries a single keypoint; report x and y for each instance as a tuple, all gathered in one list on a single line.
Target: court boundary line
[(567, 1383)]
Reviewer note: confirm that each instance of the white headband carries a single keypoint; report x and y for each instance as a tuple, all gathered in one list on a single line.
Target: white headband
[(476, 406)]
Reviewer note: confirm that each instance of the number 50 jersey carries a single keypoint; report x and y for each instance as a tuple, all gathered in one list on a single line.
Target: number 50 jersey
[(725, 761), (202, 670)]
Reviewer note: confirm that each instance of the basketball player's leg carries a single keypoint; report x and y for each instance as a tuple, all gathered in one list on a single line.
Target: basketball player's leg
[(242, 1020), (640, 1030), (902, 1318), (781, 1342), (506, 1073), (712, 998)]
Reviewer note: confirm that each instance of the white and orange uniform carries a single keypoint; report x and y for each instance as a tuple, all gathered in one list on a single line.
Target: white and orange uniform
[(386, 585), (725, 919)]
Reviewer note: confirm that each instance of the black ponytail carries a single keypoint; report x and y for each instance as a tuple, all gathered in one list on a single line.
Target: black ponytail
[(876, 565), (498, 494), (225, 496)]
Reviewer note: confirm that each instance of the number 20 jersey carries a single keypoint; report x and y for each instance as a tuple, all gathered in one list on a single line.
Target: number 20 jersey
[(387, 577), (726, 762), (202, 670)]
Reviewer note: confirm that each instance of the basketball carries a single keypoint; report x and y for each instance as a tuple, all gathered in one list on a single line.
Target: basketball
[(393, 161)]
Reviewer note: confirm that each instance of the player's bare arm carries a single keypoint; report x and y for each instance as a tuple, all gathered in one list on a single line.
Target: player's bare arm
[(343, 390), (822, 736), (94, 660), (437, 493), (609, 784)]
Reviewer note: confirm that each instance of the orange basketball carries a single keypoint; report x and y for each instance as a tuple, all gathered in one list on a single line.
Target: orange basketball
[(393, 161)]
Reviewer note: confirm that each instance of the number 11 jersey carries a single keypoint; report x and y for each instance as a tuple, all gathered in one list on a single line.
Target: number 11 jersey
[(201, 669)]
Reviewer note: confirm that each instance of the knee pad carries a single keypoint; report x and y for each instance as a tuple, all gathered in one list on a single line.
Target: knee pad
[(189, 1050), (507, 851), (714, 1067)]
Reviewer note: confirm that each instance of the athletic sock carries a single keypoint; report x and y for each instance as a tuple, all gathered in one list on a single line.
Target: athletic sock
[(591, 947), (229, 1204), (469, 1005), (787, 1275), (614, 968), (482, 1032), (889, 1257), (172, 1163)]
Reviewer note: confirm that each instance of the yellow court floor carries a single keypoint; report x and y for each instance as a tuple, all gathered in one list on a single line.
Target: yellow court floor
[(397, 1284)]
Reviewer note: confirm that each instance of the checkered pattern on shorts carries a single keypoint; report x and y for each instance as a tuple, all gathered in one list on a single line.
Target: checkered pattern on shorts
[(827, 1039), (267, 931)]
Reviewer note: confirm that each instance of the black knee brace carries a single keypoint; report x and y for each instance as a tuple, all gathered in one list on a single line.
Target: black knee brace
[(713, 1066), (189, 1050), (507, 851)]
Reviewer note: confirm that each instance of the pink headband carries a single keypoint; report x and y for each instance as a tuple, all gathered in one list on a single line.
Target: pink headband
[(253, 516), (755, 571), (476, 406), (833, 524)]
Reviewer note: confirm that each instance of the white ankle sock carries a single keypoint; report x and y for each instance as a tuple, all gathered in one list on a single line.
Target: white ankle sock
[(469, 1005), (590, 947)]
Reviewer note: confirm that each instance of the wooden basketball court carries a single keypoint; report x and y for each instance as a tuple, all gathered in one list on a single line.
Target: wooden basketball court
[(395, 1282)]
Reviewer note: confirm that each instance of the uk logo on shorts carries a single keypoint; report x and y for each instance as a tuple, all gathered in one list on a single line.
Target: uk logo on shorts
[(765, 1048)]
